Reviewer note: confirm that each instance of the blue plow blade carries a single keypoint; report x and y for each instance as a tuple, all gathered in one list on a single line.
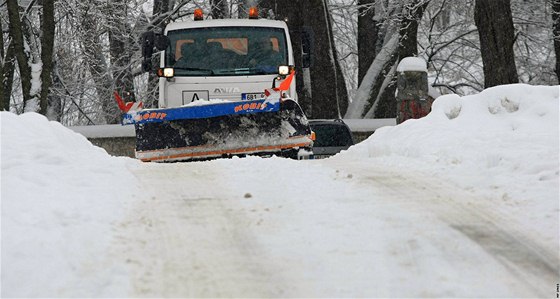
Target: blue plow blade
[(199, 112)]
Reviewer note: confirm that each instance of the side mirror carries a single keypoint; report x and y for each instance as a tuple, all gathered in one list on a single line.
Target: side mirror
[(147, 43), (161, 42)]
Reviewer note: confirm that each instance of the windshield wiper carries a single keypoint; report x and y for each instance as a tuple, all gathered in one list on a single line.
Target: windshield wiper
[(244, 71), (193, 69)]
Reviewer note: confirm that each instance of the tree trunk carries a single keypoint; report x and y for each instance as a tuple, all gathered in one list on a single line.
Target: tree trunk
[(8, 77), (159, 12), (2, 61), (368, 32), (47, 44), (2, 77), (16, 35), (329, 97), (375, 97), (382, 101), (408, 30), (495, 28), (292, 10), (556, 32), (120, 52)]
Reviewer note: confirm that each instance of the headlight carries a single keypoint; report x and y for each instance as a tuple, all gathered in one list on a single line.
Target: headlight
[(168, 72), (283, 70)]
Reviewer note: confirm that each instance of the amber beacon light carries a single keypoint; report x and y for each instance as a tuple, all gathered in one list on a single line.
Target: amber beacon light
[(253, 13), (198, 15)]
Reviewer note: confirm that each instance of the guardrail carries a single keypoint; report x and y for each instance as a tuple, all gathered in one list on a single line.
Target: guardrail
[(104, 131), (369, 125), (119, 140)]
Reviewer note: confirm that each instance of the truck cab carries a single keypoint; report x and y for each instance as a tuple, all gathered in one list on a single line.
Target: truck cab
[(231, 60), (214, 75)]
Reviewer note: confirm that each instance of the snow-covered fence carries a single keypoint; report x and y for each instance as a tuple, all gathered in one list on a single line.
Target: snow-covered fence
[(368, 125), (119, 140), (363, 128), (104, 131)]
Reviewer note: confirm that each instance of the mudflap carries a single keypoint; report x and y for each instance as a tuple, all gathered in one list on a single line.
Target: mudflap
[(280, 132)]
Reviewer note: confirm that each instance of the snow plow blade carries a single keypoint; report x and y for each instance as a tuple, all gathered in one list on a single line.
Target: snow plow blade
[(220, 130)]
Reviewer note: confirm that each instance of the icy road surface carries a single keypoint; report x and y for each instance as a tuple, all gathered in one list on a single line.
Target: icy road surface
[(222, 229)]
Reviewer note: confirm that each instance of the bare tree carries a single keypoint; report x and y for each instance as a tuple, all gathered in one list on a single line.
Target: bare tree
[(556, 33), (408, 30), (381, 71), (2, 104), (16, 36), (7, 66), (495, 28), (368, 33), (323, 94), (384, 92), (120, 49), (219, 9), (47, 45), (292, 11), (398, 35), (96, 61), (451, 47)]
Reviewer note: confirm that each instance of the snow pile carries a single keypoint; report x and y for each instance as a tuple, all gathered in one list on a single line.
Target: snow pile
[(502, 143), (59, 197), (412, 64)]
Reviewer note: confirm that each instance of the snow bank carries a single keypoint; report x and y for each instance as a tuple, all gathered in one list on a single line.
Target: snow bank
[(60, 195), (502, 143)]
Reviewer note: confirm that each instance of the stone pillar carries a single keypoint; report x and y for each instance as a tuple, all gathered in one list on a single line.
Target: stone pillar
[(412, 89)]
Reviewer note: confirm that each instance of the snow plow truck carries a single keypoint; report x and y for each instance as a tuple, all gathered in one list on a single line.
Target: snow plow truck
[(226, 88)]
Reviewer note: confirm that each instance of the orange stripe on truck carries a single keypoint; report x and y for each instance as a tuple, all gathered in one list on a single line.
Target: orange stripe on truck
[(221, 152)]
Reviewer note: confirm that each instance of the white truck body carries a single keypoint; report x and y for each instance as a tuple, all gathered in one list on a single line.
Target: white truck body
[(183, 89)]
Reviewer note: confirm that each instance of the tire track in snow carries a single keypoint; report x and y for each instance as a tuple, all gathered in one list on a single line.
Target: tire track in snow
[(185, 240), (535, 263), (198, 239)]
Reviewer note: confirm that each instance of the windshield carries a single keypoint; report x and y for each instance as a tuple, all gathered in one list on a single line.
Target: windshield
[(225, 51)]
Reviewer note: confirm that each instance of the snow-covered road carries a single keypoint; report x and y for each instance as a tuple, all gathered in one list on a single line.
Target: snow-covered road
[(461, 203), (375, 232)]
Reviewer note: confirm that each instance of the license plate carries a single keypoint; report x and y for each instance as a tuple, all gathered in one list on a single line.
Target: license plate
[(190, 96), (252, 96)]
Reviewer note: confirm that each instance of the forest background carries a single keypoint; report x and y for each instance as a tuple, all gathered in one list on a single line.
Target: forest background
[(65, 58)]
